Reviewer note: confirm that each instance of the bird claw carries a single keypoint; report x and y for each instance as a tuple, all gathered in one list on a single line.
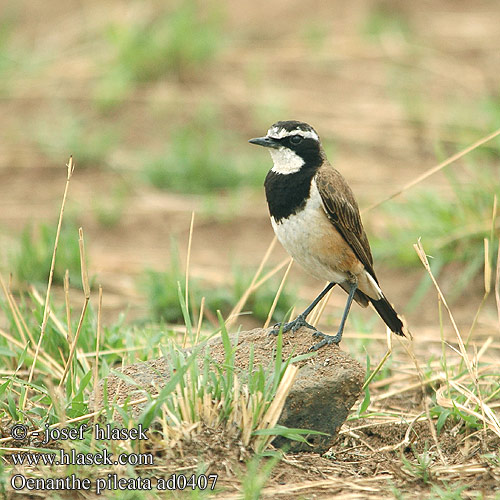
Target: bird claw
[(300, 322), (294, 325), (327, 340)]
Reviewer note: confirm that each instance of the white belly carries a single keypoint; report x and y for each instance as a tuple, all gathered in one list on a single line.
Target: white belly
[(298, 233)]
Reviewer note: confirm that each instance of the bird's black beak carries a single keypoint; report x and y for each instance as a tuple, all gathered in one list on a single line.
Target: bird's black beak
[(267, 142)]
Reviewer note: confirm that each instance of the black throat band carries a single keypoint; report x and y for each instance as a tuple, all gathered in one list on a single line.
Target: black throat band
[(287, 194)]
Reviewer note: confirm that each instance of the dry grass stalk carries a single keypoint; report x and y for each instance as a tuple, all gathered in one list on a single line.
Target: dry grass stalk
[(69, 173), (271, 273), (50, 363), (278, 294), (377, 369), (435, 169), (497, 284), (22, 327), (91, 354), (239, 306), (270, 418), (52, 316), (86, 291), (402, 390), (98, 338), (58, 324), (69, 335), (361, 484), (422, 384), (320, 308), (18, 319), (200, 321), (487, 269), (487, 416), (186, 285), (423, 257), (487, 288)]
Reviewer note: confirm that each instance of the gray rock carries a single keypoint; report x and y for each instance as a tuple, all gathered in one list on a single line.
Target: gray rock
[(326, 387)]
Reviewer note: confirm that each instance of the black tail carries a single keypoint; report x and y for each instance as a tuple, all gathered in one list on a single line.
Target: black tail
[(389, 315)]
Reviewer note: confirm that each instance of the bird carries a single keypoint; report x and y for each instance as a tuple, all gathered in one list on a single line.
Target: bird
[(316, 218)]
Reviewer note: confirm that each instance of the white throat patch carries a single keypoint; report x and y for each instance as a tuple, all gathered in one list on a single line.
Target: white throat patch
[(285, 161)]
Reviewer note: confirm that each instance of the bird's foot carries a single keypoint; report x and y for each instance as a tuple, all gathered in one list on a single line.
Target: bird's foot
[(294, 325), (327, 340)]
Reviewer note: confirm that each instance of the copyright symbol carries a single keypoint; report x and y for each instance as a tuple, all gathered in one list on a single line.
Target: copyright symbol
[(19, 432)]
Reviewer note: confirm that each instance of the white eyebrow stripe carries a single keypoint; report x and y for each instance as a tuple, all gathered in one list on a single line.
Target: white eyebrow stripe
[(280, 133)]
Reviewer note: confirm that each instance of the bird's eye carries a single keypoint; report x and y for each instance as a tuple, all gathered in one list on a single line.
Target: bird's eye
[(295, 139)]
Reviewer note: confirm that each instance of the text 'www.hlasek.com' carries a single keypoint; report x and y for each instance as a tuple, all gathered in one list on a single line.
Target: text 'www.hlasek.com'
[(28, 458)]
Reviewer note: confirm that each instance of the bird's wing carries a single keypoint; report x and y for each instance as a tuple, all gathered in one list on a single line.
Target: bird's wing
[(343, 212)]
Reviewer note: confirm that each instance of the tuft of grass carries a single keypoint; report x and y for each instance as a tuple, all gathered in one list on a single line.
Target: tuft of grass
[(259, 302), (108, 210), (215, 208), (258, 472), (161, 289), (448, 492), (6, 60), (420, 468), (468, 119), (199, 159), (315, 34), (31, 263), (160, 46), (242, 404), (77, 135), (453, 229), (17, 60), (383, 22), (467, 386)]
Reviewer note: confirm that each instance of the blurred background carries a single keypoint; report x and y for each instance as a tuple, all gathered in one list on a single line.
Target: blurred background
[(156, 100)]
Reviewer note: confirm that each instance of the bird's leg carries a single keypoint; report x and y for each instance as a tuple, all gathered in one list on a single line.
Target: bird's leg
[(335, 339), (300, 320)]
